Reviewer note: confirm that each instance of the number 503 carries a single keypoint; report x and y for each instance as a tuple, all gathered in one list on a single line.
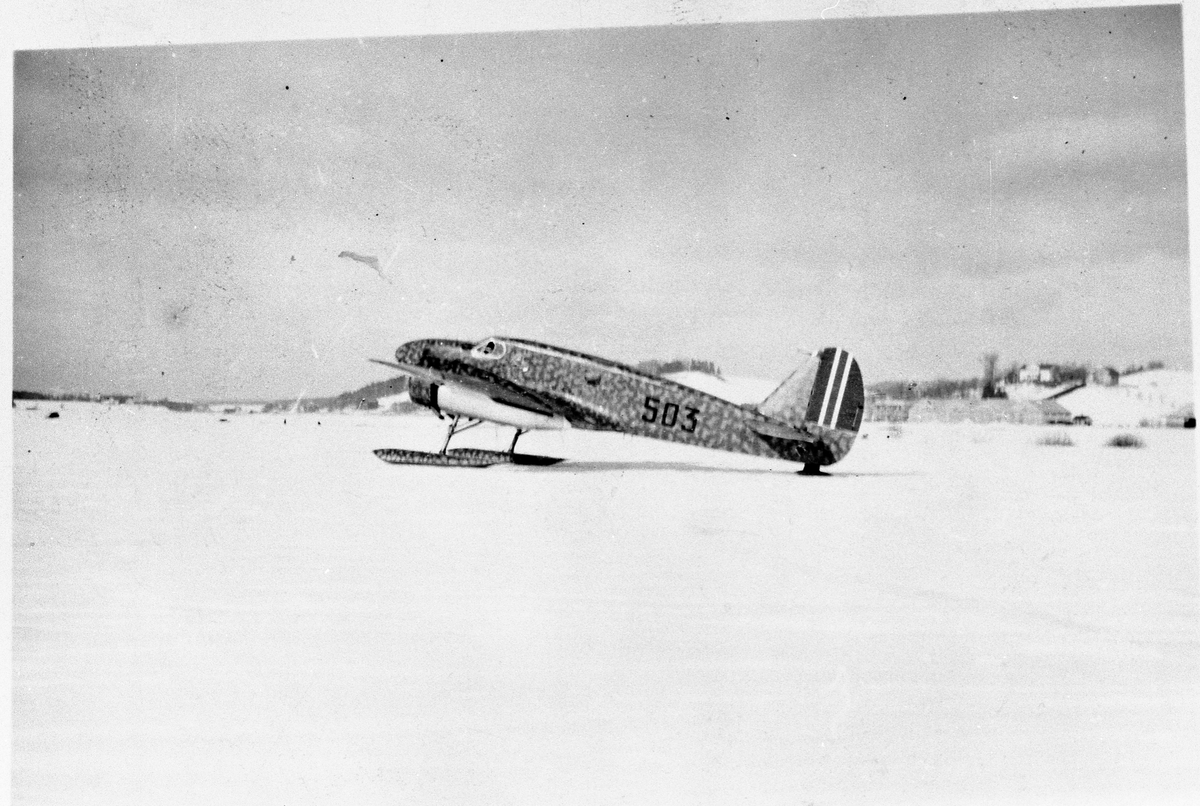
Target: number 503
[(668, 414)]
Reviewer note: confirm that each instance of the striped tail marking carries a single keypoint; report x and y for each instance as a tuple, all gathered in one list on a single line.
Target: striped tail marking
[(829, 388)]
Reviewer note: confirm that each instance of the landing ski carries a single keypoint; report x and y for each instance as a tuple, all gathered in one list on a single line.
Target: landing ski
[(463, 457)]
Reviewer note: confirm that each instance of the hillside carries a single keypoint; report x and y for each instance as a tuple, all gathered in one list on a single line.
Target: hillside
[(365, 398)]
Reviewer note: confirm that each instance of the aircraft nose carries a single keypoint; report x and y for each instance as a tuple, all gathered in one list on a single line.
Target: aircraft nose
[(416, 352), (410, 352)]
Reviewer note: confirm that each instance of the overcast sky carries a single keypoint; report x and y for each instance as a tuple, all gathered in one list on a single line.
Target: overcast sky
[(918, 190)]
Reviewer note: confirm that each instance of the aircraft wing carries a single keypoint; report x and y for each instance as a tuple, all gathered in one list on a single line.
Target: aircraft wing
[(420, 373), (501, 394)]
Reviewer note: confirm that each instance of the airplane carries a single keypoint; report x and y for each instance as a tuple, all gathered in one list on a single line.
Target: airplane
[(811, 418)]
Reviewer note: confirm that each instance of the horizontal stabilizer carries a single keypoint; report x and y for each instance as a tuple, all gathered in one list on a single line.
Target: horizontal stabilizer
[(782, 431)]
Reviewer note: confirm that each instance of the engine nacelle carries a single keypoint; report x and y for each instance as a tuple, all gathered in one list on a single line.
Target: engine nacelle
[(451, 398), (424, 393)]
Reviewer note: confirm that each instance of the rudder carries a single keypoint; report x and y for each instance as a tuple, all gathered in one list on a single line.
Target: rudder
[(837, 396)]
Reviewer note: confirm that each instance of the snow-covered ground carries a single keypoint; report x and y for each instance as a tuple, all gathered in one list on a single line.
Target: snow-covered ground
[(260, 611)]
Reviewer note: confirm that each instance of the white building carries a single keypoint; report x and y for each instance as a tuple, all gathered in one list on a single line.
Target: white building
[(1038, 373)]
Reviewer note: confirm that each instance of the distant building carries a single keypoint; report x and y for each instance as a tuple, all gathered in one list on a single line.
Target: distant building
[(886, 410), (1104, 376), (1047, 374), (1041, 381)]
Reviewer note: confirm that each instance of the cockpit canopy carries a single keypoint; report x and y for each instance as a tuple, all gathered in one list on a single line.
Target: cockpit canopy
[(489, 348)]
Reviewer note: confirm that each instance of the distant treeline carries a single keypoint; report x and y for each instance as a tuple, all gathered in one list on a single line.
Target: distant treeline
[(1066, 373), (85, 397), (656, 367), (942, 388), (21, 394), (1132, 368)]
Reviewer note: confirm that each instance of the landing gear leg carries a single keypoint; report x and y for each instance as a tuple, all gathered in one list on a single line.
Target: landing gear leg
[(513, 447), (449, 433), (812, 469), (454, 429)]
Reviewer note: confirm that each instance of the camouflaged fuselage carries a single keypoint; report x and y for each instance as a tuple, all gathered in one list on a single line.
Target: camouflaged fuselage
[(594, 393)]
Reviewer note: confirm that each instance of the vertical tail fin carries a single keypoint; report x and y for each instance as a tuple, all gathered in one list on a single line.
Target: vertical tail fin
[(825, 396)]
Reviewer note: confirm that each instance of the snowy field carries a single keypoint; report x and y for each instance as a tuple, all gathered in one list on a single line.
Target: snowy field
[(261, 612)]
